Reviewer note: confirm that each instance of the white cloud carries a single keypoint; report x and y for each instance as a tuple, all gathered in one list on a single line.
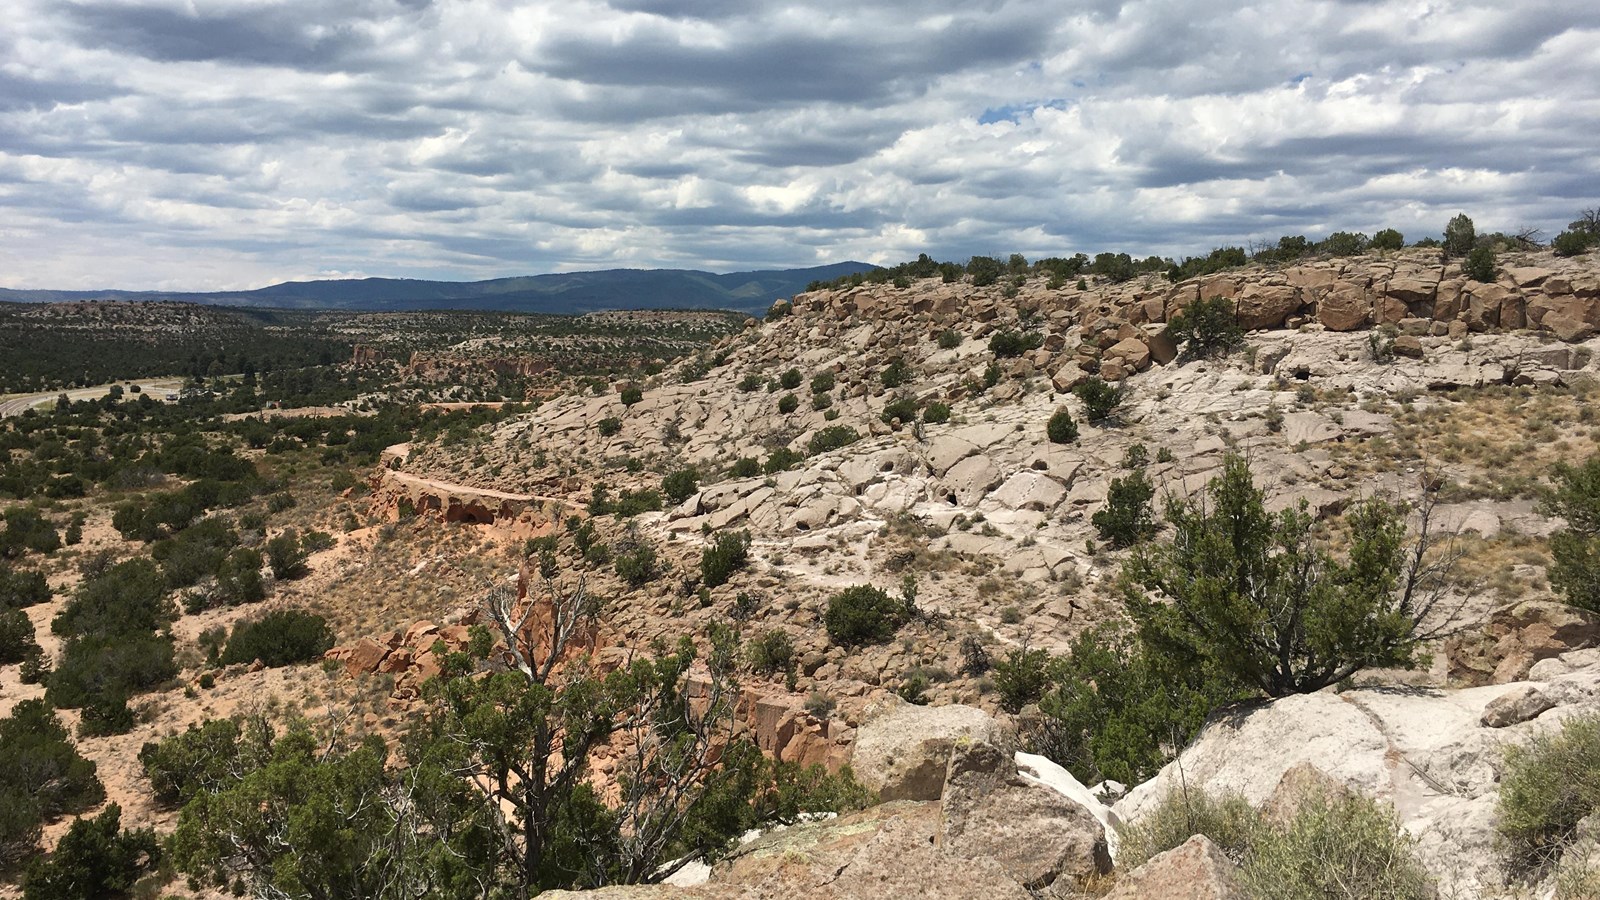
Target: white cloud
[(144, 144)]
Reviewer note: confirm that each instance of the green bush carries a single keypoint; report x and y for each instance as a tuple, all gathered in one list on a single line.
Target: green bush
[(1573, 243), (745, 467), (1127, 518), (609, 426), (936, 413), (729, 553), (1229, 822), (1575, 569), (780, 460), (286, 556), (1061, 429), (42, 776), (635, 561), (17, 640), (863, 614), (949, 339), (1344, 243), (1387, 239), (1021, 678), (771, 652), (895, 374), (1005, 344), (95, 858), (1262, 595), (751, 382), (20, 589), (279, 638), (1336, 845), (631, 395), (681, 485), (204, 759), (790, 379), (832, 438), (1480, 264), (1547, 787), (902, 408), (1206, 328), (1459, 236), (788, 403), (1100, 399), (822, 382), (1119, 710), (821, 401)]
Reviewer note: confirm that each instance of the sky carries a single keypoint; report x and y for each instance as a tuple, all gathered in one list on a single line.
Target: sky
[(230, 144)]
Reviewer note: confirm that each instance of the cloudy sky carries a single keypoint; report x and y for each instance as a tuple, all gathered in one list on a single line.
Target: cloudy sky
[(208, 144)]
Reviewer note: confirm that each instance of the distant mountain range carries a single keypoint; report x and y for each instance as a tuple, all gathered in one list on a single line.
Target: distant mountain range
[(565, 293)]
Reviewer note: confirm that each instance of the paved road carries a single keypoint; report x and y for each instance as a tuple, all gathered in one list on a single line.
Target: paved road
[(14, 406)]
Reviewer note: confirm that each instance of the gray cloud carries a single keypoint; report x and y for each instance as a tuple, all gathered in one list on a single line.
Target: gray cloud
[(169, 144)]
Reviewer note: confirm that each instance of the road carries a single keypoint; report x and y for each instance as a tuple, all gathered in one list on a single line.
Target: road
[(156, 388)]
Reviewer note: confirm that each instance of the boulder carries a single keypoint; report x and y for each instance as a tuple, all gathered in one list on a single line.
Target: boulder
[(1197, 869), (1163, 349), (365, 656), (1411, 290), (903, 754), (971, 479), (1346, 308), (1036, 835), (1133, 352), (1517, 705), (1515, 637), (1266, 305), (1409, 346), (1067, 377), (1567, 328)]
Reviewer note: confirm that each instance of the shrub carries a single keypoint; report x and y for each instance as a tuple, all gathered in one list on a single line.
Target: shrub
[(1547, 787), (1021, 678), (631, 395), (862, 614), (21, 589), (1206, 328), (203, 759), (1127, 518), (729, 553), (635, 561), (751, 382), (1061, 429), (17, 641), (771, 652), (1459, 236), (681, 485), (902, 408), (608, 426), (821, 401), (41, 777), (1119, 710), (1344, 243), (781, 459), (832, 438), (1573, 243), (1480, 264), (745, 467), (1262, 595), (936, 413), (949, 339), (895, 374), (286, 556), (790, 379), (1229, 822), (1575, 569), (822, 382), (1100, 399), (279, 638), (1011, 343), (95, 858), (1387, 239), (788, 403), (1336, 845)]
